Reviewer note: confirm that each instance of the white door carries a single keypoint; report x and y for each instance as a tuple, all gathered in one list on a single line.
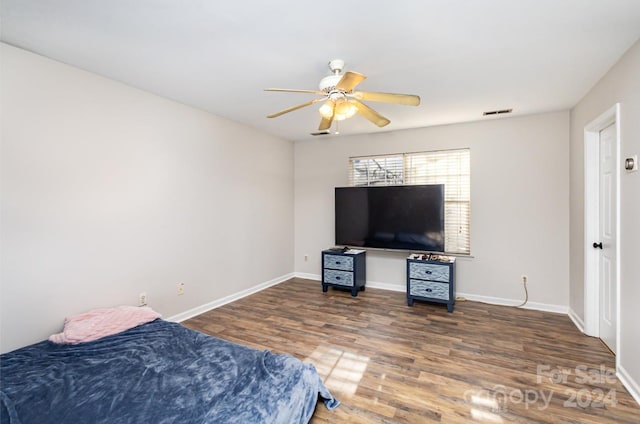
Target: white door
[(607, 237)]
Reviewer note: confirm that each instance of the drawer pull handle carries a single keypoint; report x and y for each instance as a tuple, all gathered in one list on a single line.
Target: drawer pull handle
[(338, 278), (338, 262), (428, 290), (428, 272)]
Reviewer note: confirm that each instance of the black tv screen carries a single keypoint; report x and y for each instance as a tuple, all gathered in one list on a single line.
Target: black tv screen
[(408, 217)]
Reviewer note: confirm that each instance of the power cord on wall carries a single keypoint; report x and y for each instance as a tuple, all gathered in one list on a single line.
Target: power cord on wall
[(526, 295), (526, 292)]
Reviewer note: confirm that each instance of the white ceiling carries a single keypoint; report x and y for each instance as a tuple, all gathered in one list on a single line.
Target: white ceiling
[(462, 57)]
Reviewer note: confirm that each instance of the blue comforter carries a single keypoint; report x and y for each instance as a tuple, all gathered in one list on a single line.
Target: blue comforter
[(160, 372)]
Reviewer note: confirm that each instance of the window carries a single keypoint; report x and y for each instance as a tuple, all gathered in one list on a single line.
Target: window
[(449, 167)]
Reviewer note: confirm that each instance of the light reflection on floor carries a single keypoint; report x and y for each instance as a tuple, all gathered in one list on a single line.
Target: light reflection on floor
[(485, 416), (482, 400), (341, 371)]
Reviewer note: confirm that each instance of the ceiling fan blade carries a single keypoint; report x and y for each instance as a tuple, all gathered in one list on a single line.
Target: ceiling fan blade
[(321, 133), (293, 90), (291, 109), (325, 124), (327, 115), (369, 113), (402, 99), (349, 80)]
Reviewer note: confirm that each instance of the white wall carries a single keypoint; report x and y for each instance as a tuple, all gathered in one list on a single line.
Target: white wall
[(519, 205), (620, 85), (108, 191)]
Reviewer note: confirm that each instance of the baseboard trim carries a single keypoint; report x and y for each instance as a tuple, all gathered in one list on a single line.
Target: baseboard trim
[(545, 307), (577, 321), (629, 383), (228, 299), (372, 284), (386, 286), (486, 299), (306, 276)]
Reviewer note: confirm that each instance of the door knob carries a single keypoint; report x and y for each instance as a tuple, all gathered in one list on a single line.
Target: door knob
[(597, 245)]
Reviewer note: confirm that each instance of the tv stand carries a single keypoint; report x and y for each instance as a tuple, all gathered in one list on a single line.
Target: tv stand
[(345, 269)]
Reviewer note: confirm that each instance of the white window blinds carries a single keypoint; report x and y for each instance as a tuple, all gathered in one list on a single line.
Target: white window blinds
[(376, 170), (449, 167)]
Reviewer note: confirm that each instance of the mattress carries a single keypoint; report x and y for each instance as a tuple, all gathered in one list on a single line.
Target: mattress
[(159, 372)]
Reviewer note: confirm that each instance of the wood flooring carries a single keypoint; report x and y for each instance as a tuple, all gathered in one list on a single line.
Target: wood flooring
[(390, 363)]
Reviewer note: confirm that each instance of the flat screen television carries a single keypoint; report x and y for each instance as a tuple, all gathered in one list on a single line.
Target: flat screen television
[(406, 217)]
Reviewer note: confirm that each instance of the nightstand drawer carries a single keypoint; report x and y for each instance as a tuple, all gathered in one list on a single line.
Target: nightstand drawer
[(429, 289), (344, 263), (425, 271), (342, 278)]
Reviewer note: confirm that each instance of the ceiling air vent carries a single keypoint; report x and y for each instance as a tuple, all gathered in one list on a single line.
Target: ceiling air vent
[(497, 112)]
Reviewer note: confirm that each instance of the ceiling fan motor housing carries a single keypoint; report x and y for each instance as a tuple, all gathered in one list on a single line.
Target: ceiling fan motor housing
[(336, 66), (328, 83)]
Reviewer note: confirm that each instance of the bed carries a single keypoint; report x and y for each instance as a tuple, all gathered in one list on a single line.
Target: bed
[(157, 372)]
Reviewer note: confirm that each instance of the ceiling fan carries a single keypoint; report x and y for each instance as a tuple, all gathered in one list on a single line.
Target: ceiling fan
[(341, 102)]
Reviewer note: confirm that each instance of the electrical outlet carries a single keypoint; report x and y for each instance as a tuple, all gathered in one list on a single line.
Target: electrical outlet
[(142, 299), (180, 288), (524, 279)]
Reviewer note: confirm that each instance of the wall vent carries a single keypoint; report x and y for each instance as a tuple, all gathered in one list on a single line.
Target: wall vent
[(497, 112)]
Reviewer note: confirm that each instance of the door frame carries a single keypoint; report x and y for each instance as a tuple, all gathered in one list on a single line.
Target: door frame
[(592, 220)]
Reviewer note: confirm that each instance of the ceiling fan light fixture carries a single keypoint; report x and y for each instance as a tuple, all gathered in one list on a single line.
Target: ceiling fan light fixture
[(326, 110), (344, 110)]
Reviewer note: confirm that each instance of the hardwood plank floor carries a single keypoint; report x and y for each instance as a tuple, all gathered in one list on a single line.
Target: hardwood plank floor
[(390, 363)]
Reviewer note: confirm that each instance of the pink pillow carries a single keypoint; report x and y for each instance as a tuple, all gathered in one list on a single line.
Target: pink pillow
[(99, 323)]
